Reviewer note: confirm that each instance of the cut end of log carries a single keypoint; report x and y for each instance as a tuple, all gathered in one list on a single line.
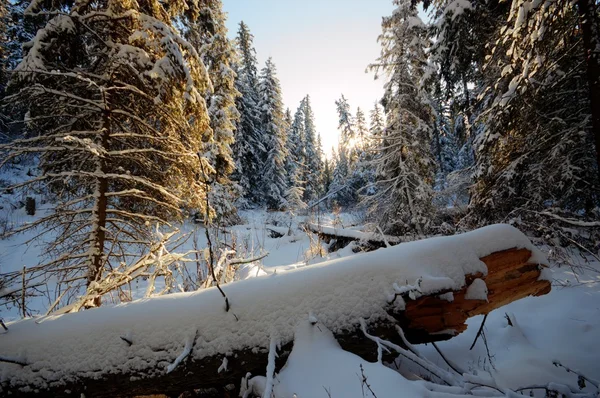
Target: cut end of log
[(510, 277)]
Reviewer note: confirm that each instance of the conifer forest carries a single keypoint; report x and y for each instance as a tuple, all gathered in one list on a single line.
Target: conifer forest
[(186, 210)]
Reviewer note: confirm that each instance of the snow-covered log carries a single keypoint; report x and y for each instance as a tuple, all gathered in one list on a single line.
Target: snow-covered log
[(340, 237), (186, 341)]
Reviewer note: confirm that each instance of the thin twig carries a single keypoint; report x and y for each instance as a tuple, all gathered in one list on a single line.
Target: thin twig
[(452, 365), (210, 250), (479, 332), (12, 360), (57, 301), (248, 260), (364, 382), (23, 291), (595, 383), (128, 341)]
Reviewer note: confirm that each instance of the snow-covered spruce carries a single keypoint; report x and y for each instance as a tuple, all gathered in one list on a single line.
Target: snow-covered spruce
[(173, 333), (248, 150), (273, 180), (208, 34), (403, 202), (112, 99)]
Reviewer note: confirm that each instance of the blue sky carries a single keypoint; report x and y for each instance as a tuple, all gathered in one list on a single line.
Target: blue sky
[(320, 48)]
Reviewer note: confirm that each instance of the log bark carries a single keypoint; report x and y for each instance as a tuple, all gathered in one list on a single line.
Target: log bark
[(426, 319)]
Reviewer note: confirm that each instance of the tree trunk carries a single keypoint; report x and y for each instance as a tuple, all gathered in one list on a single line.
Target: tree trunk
[(591, 40), (98, 233)]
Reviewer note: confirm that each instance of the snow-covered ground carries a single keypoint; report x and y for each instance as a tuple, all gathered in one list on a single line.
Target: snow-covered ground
[(561, 326), (252, 238)]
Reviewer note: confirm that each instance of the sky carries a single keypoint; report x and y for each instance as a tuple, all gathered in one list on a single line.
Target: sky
[(320, 48)]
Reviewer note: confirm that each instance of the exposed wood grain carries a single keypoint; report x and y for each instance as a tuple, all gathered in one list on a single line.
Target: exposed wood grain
[(510, 277)]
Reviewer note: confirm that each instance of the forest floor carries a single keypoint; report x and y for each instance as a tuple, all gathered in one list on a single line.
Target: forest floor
[(561, 326)]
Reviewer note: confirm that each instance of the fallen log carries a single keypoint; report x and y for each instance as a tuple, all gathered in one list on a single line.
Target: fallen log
[(182, 342), (338, 238)]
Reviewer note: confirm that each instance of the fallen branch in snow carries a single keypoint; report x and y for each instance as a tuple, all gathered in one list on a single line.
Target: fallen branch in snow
[(343, 237), (450, 363), (422, 362), (187, 350), (156, 256), (581, 376), (277, 232), (63, 352), (128, 341), (13, 360), (248, 260)]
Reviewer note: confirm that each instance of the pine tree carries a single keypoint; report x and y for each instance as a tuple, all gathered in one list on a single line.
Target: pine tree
[(347, 128), (403, 201), (377, 122), (248, 63), (341, 188), (536, 146), (361, 128), (311, 156), (249, 153), (209, 35), (287, 120), (295, 160), (460, 33), (328, 166), (114, 108), (274, 184), (322, 184), (362, 174), (376, 132), (21, 30), (295, 143)]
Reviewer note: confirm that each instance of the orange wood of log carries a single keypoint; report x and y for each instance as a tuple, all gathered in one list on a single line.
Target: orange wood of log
[(510, 277)]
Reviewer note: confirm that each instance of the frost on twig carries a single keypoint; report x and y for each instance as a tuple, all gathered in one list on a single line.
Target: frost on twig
[(223, 367), (187, 350), (377, 340), (434, 370), (157, 257), (271, 367), (252, 386), (581, 378)]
